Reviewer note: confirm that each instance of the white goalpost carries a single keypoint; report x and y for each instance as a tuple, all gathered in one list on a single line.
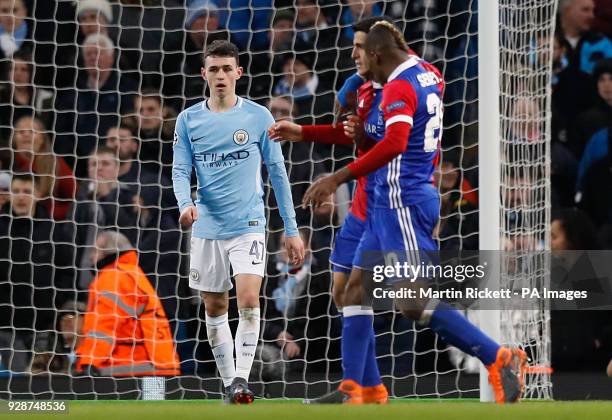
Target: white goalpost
[(515, 66)]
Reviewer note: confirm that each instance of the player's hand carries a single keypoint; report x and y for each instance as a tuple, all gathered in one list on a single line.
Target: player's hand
[(317, 194), (353, 128), (295, 249), (285, 130), (340, 111), (188, 216)]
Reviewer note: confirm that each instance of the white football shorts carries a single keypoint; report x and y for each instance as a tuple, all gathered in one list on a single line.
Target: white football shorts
[(210, 259)]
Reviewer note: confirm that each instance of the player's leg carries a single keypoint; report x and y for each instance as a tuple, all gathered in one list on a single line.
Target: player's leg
[(247, 256), (357, 328), (209, 273), (417, 224)]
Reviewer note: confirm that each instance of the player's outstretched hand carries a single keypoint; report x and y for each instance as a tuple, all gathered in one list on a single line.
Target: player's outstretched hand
[(188, 216), (295, 249), (285, 130), (318, 193)]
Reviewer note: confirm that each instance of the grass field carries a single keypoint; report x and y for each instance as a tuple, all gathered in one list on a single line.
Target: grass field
[(290, 410)]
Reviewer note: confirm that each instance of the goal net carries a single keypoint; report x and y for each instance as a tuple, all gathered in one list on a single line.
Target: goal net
[(90, 94)]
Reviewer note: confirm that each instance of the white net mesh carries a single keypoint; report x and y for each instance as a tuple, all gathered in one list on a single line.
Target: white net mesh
[(527, 29), (114, 75)]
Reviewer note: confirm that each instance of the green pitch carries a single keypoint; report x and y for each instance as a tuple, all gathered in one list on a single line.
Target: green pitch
[(290, 410)]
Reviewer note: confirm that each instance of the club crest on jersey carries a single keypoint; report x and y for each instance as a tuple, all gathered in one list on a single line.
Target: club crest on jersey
[(241, 137), (175, 139)]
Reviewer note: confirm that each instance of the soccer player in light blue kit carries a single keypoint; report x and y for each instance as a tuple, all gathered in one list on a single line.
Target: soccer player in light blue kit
[(225, 139)]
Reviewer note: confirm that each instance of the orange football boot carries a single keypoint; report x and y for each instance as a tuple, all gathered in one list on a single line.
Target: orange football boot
[(375, 394), (507, 373)]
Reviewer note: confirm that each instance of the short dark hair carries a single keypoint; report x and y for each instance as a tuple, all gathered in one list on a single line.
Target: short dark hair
[(151, 93), (220, 48), (580, 232), (366, 24), (25, 177)]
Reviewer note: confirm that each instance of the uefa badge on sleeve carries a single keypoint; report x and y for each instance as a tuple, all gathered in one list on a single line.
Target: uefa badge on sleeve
[(241, 137)]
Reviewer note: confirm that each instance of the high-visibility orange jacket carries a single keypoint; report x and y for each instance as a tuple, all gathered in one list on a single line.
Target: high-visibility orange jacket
[(125, 330)]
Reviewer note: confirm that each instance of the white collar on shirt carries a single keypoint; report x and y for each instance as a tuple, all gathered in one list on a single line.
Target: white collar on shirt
[(412, 61)]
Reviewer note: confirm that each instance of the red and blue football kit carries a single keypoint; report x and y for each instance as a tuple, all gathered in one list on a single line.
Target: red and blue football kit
[(406, 203), (347, 239)]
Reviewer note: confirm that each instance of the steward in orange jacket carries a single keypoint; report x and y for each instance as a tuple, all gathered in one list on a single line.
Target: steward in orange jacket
[(125, 330)]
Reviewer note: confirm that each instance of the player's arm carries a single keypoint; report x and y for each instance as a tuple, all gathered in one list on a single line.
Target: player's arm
[(325, 134), (182, 164), (346, 101), (398, 105), (275, 163)]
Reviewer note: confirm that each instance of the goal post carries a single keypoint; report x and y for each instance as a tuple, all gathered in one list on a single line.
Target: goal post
[(489, 161), (515, 41)]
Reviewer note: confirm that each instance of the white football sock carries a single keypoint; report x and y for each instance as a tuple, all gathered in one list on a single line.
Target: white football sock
[(247, 336), (220, 339)]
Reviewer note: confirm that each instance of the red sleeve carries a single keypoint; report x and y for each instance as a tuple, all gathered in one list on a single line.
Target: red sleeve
[(398, 106), (66, 185), (325, 134)]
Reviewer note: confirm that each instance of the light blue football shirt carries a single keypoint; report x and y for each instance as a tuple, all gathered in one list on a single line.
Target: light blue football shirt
[(226, 149)]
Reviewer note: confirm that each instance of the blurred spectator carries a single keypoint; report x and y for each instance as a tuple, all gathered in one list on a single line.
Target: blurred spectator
[(33, 271), (315, 36), (56, 186), (15, 28), (355, 11), (572, 92), (102, 203), (594, 119), (156, 132), (265, 64), (594, 184), (298, 308), (150, 40), (159, 245), (155, 188), (585, 47), (125, 330), (202, 25), (94, 16), (247, 21), (458, 228), (19, 97), (302, 84), (571, 230), (282, 32), (60, 353), (302, 162), (310, 20), (574, 333), (102, 96)]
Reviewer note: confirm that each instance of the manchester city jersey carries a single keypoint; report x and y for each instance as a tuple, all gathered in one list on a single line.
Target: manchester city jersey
[(226, 149)]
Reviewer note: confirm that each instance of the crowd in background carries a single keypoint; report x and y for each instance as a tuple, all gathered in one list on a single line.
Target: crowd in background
[(90, 92)]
